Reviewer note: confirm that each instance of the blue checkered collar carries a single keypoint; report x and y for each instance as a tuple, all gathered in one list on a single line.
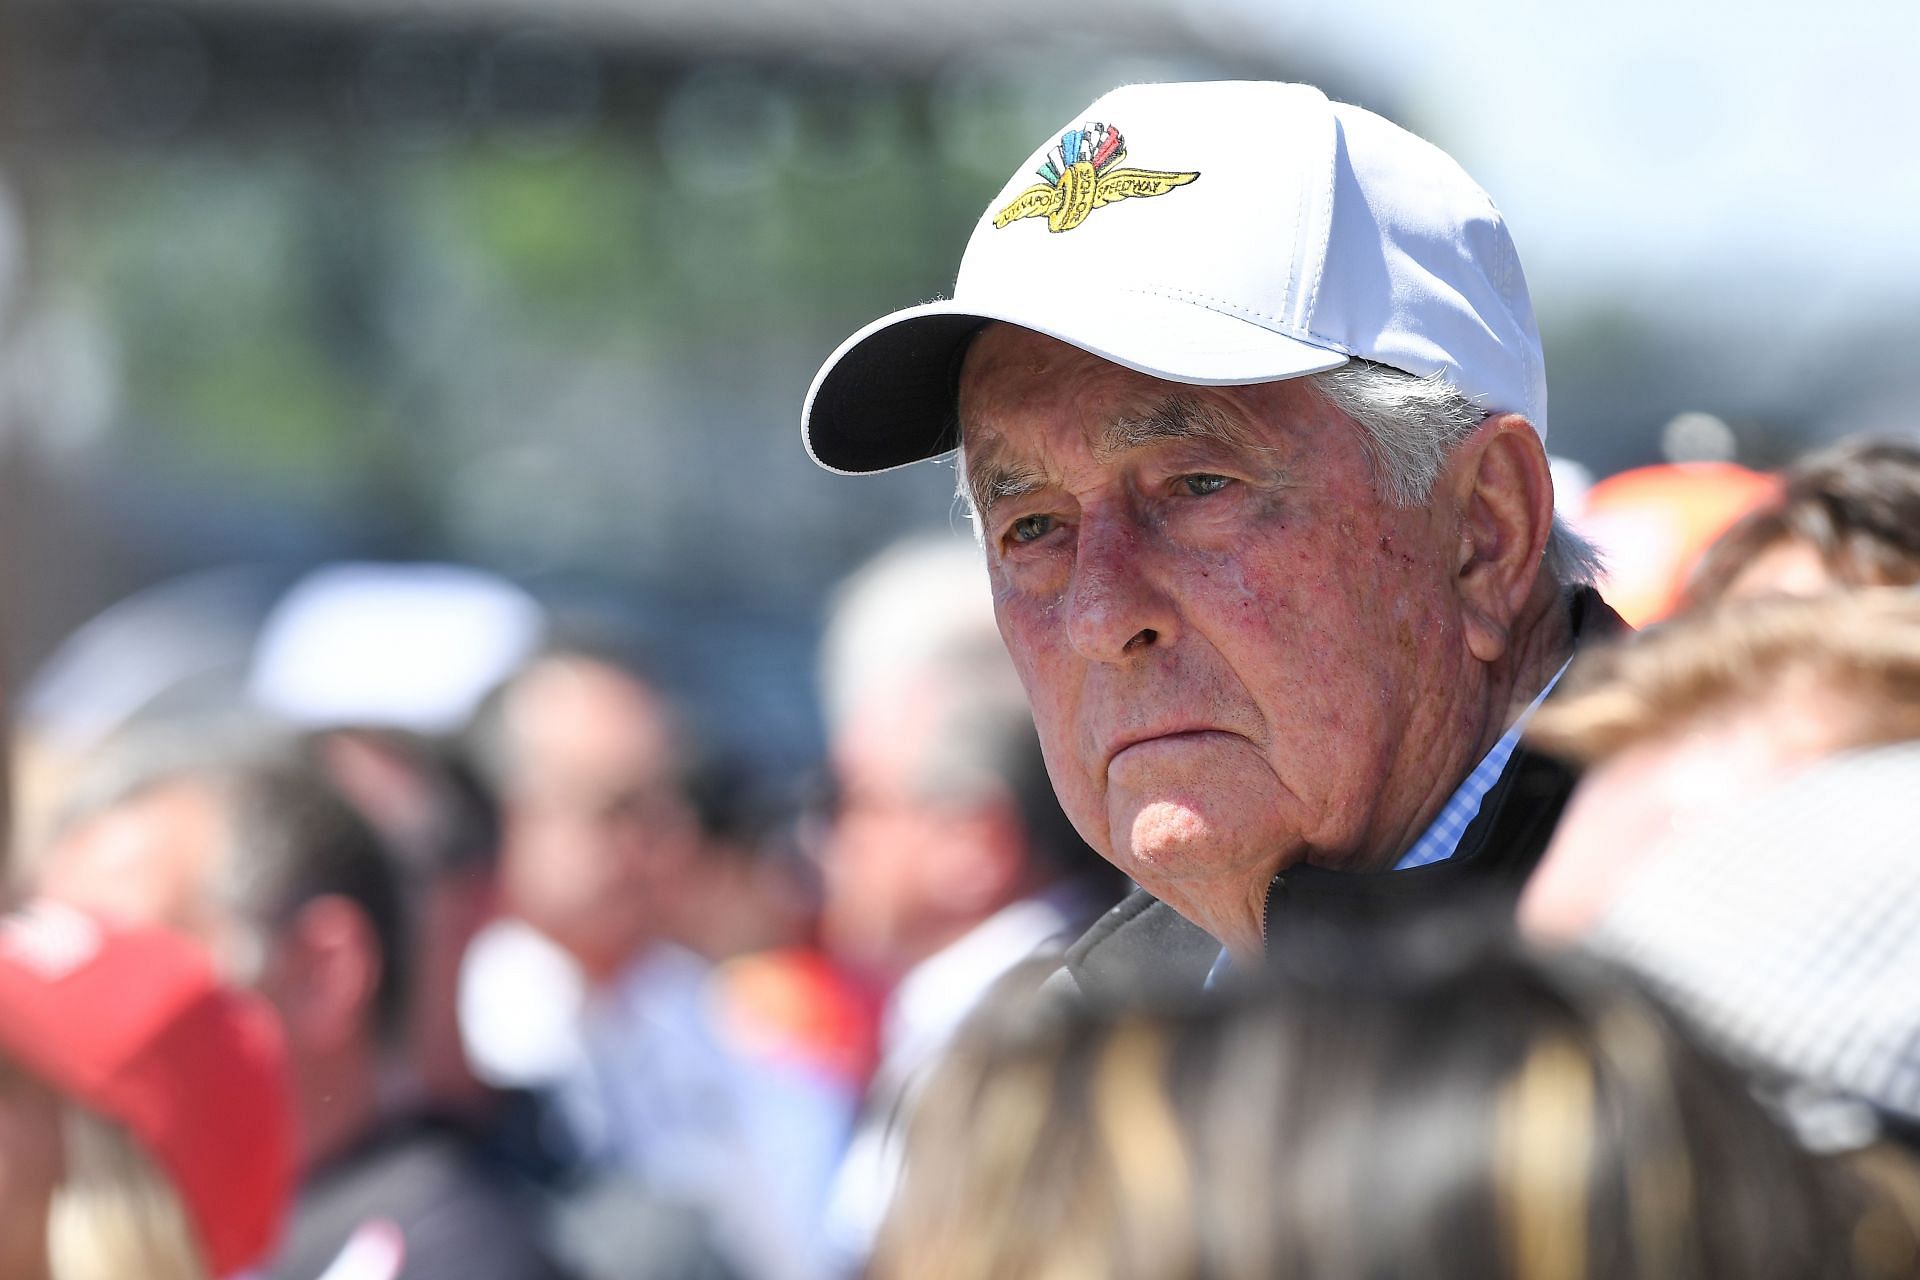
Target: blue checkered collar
[(1441, 840)]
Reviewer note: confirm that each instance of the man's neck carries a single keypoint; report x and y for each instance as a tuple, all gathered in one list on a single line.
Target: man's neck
[(1243, 932), (1542, 643)]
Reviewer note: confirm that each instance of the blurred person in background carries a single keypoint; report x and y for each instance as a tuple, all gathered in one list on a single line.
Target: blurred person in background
[(1429, 1104), (949, 861), (1804, 979), (753, 905), (247, 848), (1681, 728), (1845, 516), (175, 651), (752, 890), (381, 663), (580, 753), (441, 828), (594, 985), (145, 1124), (1744, 838), (1266, 507)]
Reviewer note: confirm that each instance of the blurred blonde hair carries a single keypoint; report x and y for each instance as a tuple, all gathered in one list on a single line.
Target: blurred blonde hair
[(116, 1216), (1850, 659), (1461, 1112)]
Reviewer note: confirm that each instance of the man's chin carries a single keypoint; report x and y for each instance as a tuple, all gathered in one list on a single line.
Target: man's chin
[(1180, 839)]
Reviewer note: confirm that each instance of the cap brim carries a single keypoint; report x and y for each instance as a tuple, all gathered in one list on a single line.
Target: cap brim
[(886, 397)]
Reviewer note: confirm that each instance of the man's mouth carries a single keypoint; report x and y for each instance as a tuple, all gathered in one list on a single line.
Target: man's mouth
[(1168, 737)]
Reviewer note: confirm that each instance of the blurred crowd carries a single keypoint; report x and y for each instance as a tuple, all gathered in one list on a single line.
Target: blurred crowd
[(435, 939), (562, 985)]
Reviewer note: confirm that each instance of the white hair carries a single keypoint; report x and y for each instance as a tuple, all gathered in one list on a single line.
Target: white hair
[(923, 602), (1410, 425)]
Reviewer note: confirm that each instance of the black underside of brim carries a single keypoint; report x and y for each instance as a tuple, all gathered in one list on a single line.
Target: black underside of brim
[(891, 400)]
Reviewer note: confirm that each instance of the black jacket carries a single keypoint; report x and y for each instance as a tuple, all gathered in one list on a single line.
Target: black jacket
[(1143, 946)]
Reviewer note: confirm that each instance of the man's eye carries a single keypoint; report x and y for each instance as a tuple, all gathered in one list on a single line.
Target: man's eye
[(1202, 484), (1027, 528)]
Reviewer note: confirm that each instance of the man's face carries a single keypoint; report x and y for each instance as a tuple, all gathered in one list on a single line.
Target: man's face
[(885, 905), (1239, 655), (594, 834)]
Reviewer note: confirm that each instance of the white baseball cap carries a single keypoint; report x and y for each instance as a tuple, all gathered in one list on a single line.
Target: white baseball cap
[(1213, 234), (412, 646)]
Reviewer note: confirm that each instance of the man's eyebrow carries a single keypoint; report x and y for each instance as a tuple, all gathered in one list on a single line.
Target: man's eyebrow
[(993, 477), (1175, 418)]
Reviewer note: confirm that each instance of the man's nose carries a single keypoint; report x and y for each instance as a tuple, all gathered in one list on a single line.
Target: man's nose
[(1115, 608)]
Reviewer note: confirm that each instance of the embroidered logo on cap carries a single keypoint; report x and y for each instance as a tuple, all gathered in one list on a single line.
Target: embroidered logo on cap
[(1082, 173)]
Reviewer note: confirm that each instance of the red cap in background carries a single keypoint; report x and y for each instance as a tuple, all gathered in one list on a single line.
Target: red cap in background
[(133, 1024)]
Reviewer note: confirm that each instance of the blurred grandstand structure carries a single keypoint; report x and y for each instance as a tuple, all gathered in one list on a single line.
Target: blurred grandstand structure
[(532, 286), (538, 287)]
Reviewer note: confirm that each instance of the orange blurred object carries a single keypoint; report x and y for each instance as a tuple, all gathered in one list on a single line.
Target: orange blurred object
[(1652, 524), (794, 1006)]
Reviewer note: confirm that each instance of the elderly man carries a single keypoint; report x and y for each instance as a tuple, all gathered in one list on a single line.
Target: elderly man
[(1250, 404)]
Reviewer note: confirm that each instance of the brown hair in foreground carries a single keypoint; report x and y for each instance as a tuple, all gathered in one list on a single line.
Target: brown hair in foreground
[(1855, 506), (1844, 668), (1460, 1112)]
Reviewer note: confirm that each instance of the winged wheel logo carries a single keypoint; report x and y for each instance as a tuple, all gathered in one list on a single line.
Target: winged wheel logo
[(1083, 172)]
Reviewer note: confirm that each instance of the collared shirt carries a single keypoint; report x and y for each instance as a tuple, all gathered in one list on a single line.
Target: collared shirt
[(1441, 840)]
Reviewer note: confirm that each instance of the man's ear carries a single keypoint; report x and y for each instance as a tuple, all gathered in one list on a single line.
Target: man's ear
[(1504, 495)]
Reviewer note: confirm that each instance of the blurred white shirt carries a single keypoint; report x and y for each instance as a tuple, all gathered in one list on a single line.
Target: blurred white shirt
[(922, 1016), (521, 998), (653, 1088)]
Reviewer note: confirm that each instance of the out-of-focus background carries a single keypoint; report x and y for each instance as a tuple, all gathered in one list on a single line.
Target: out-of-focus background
[(415, 590), (539, 287)]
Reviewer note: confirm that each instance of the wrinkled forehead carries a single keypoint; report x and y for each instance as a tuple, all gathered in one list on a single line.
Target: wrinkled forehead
[(1007, 368), (1024, 397)]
